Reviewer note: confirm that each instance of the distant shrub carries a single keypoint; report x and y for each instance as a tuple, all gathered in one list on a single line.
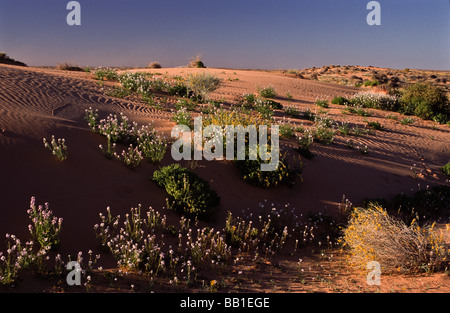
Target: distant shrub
[(69, 67), (154, 65), (190, 193), (267, 92), (196, 62)]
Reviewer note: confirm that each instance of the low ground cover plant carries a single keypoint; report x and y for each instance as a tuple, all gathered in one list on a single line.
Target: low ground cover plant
[(144, 141)]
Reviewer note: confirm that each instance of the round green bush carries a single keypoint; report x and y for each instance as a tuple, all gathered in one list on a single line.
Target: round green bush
[(425, 100)]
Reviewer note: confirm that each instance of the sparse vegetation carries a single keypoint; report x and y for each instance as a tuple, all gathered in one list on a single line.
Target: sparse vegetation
[(57, 147)]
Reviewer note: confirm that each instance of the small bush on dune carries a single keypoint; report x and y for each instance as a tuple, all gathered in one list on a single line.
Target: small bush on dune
[(196, 62), (69, 67), (154, 65), (202, 84), (267, 92), (340, 101), (190, 193)]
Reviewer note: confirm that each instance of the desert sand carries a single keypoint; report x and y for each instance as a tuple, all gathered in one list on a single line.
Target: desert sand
[(37, 103)]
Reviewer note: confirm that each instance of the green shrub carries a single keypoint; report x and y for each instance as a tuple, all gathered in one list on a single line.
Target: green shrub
[(407, 121), (292, 112), (305, 142), (196, 62), (440, 118), (375, 125), (340, 101), (371, 83), (323, 134), (188, 104), (274, 105), (322, 103), (178, 89), (267, 92), (264, 109), (446, 169), (248, 101), (190, 193), (425, 100), (287, 131), (308, 115), (252, 174), (183, 117), (107, 73)]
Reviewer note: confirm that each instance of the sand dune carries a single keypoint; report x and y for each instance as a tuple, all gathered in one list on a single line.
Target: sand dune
[(38, 103)]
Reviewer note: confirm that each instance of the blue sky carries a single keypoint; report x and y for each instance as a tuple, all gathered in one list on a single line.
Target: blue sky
[(269, 34)]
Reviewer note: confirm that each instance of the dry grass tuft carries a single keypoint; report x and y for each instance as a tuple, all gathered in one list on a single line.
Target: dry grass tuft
[(373, 235)]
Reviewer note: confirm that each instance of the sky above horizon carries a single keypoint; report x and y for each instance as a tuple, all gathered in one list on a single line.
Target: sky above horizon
[(263, 34)]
